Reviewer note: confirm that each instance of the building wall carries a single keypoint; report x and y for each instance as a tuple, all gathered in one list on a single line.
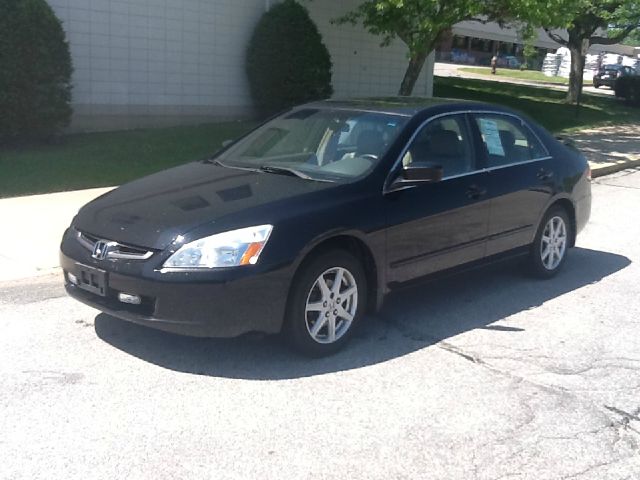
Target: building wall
[(164, 62), (360, 66)]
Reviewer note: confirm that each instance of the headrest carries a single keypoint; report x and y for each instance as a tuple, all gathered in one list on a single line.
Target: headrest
[(445, 143), (507, 138)]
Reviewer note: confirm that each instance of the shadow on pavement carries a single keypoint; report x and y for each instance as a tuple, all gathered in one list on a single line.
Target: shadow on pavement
[(609, 144), (411, 319)]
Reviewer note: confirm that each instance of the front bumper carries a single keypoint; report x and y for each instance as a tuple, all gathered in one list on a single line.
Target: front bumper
[(205, 304)]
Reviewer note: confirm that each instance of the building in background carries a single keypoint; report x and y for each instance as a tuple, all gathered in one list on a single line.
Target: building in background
[(140, 63), (474, 43)]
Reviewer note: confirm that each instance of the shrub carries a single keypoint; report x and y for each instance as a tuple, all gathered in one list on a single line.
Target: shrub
[(628, 87), (35, 72), (287, 63)]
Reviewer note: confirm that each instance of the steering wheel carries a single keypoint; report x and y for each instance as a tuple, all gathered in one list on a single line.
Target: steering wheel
[(369, 156)]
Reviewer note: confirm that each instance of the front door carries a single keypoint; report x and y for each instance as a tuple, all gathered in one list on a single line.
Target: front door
[(435, 226)]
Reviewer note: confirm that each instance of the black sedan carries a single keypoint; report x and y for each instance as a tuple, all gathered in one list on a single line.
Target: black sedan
[(608, 74), (307, 222)]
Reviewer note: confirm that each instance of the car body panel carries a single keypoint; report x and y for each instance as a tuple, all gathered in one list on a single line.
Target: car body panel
[(152, 211), (435, 226)]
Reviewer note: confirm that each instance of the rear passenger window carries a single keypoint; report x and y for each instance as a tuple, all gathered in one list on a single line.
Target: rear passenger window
[(444, 142), (507, 141)]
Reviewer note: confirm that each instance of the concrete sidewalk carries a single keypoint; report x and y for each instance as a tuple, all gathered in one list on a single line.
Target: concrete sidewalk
[(34, 225)]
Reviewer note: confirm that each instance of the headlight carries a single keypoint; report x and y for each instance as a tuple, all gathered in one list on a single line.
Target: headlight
[(228, 249)]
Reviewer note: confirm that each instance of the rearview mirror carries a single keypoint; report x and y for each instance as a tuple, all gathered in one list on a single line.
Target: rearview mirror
[(422, 172)]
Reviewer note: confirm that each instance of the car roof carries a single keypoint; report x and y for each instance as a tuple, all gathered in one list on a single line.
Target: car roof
[(405, 106)]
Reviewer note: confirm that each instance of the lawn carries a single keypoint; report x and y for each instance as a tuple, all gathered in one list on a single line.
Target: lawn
[(529, 75), (105, 159), (544, 105)]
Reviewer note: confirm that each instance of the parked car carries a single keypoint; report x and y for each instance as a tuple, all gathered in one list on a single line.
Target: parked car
[(608, 74), (306, 223)]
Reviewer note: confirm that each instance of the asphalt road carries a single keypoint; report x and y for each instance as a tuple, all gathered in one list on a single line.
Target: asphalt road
[(486, 376)]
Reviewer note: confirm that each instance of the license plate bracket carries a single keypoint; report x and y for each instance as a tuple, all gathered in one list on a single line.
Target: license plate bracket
[(92, 280)]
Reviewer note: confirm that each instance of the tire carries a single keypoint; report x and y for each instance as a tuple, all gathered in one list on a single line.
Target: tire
[(555, 228), (310, 303), (596, 85)]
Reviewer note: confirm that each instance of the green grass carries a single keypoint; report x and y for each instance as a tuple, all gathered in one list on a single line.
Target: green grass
[(529, 75), (104, 159), (544, 105)]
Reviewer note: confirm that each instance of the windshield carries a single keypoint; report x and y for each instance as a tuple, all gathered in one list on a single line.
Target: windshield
[(318, 144)]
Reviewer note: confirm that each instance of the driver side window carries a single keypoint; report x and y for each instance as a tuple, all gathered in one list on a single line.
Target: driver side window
[(445, 142)]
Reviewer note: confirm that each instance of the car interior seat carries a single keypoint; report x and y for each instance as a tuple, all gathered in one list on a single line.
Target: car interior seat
[(446, 148)]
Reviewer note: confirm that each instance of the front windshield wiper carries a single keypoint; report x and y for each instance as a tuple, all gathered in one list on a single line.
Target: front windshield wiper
[(218, 163), (290, 171)]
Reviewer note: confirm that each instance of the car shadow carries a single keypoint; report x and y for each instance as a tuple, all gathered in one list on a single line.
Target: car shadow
[(412, 319)]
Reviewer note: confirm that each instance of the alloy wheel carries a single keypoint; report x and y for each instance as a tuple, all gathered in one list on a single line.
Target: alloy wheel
[(553, 243), (331, 305)]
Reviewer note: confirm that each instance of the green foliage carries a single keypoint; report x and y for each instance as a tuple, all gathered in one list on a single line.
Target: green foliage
[(418, 23), (35, 72), (545, 105), (628, 87), (287, 62), (529, 35), (583, 21)]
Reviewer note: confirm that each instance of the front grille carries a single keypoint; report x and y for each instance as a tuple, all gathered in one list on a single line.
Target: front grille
[(114, 250)]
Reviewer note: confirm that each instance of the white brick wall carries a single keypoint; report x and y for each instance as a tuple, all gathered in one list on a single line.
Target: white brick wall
[(360, 66), (144, 62)]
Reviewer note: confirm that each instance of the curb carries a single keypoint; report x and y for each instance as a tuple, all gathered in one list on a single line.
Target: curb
[(601, 171)]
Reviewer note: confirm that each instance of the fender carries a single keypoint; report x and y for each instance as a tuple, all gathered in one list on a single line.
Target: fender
[(374, 242)]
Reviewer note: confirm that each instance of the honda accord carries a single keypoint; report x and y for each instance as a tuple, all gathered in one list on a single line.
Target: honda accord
[(303, 225)]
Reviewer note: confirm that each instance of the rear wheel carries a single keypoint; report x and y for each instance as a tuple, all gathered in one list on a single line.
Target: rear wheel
[(326, 302), (549, 249)]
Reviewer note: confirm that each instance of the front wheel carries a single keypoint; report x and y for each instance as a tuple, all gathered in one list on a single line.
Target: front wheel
[(549, 249), (326, 302)]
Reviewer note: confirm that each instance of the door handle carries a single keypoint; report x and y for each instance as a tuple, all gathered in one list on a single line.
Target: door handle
[(475, 192), (544, 174)]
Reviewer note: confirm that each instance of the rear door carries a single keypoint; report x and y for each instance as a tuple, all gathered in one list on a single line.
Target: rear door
[(520, 179)]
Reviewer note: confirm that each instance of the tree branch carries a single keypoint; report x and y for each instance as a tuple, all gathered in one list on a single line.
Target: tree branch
[(556, 38), (615, 39)]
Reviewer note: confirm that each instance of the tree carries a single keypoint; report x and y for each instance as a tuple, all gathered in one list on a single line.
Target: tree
[(529, 35), (287, 63), (587, 28), (35, 72), (417, 23)]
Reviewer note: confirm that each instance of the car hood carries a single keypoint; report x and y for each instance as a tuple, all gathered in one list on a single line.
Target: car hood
[(152, 211)]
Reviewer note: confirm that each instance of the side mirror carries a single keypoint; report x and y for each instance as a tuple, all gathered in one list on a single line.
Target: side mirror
[(422, 172), (226, 143)]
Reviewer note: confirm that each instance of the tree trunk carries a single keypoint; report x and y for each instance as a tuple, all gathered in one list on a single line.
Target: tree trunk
[(413, 72), (576, 76)]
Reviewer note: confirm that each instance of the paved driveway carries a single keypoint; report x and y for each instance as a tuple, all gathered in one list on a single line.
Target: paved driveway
[(485, 376)]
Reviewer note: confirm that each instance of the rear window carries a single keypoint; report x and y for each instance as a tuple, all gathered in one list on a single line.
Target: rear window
[(507, 140)]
